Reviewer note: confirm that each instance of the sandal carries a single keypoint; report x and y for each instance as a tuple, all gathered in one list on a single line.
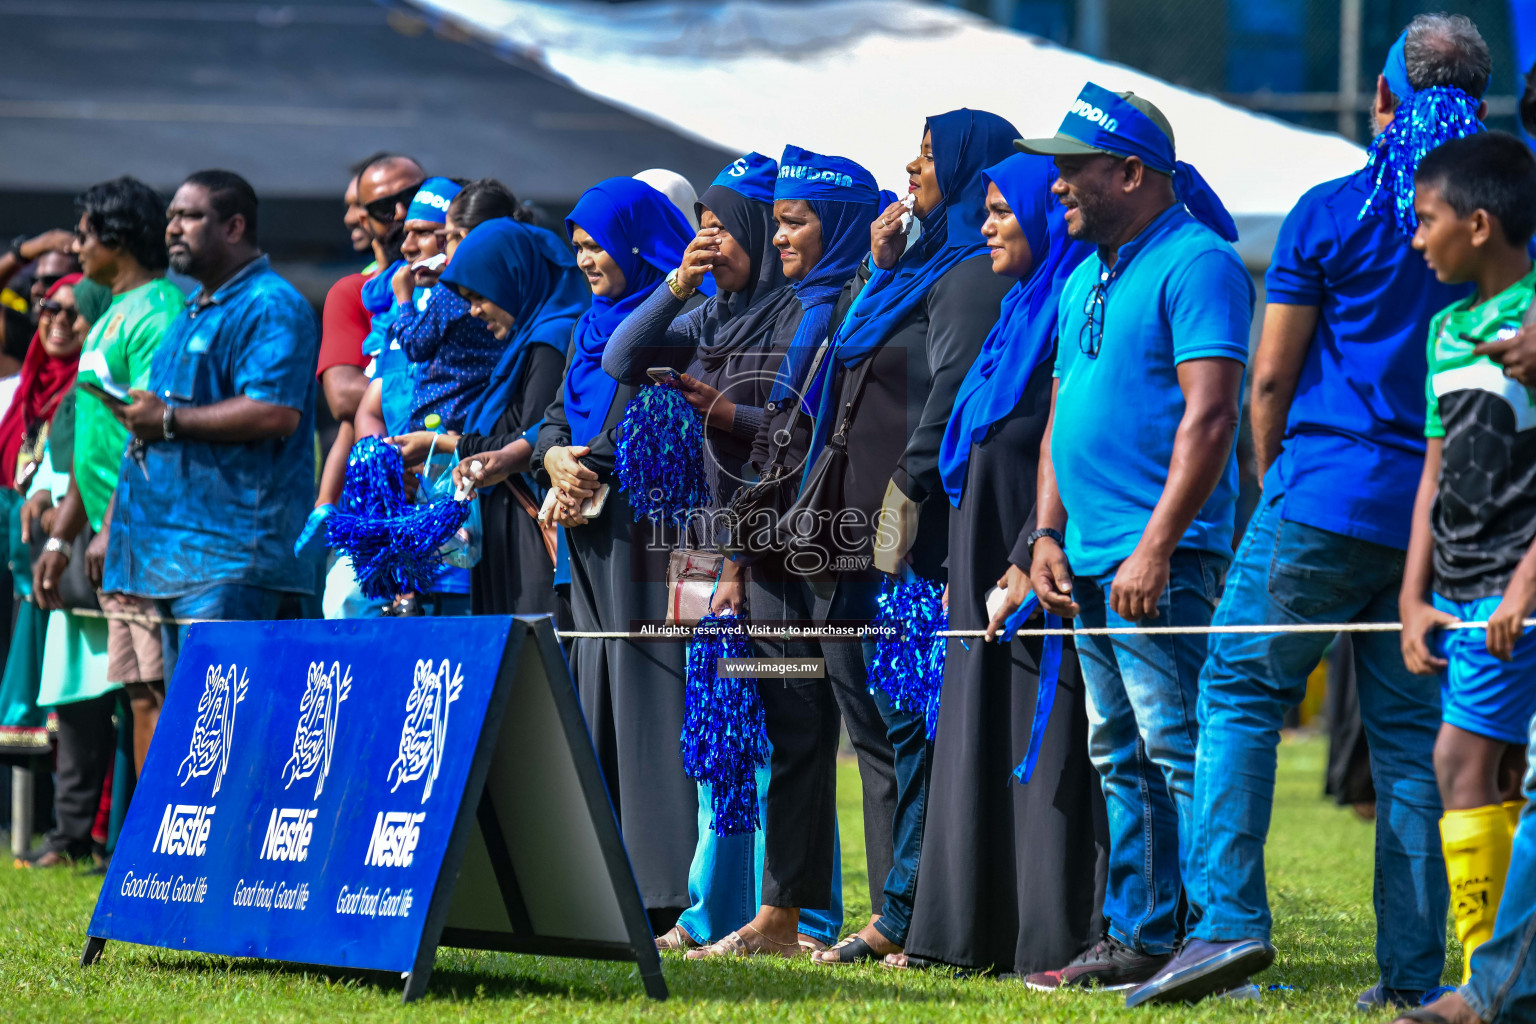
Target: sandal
[(735, 944), (676, 941), (851, 950), (809, 944)]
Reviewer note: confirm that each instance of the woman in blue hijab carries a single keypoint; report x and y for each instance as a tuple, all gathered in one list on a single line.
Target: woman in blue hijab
[(887, 385), (523, 284), (627, 236), (779, 241), (1012, 874)]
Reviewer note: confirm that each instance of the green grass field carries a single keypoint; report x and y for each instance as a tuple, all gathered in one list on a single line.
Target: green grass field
[(1320, 886)]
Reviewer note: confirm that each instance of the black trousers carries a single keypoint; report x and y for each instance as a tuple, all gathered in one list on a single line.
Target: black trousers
[(87, 745)]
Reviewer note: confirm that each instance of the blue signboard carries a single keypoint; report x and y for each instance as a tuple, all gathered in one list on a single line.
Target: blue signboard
[(313, 787)]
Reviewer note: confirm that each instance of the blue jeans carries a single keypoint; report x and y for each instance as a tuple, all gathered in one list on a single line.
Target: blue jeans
[(908, 733), (217, 601), (1288, 572), (1503, 983), (725, 880), (1142, 691)]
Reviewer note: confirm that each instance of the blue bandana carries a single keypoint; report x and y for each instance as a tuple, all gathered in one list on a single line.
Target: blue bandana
[(1025, 334), (752, 175), (432, 199), (846, 199), (531, 274), (645, 235), (1101, 119), (1423, 120)]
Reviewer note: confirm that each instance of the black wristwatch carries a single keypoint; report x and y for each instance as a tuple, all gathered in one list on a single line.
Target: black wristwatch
[(16, 244), (1055, 535)]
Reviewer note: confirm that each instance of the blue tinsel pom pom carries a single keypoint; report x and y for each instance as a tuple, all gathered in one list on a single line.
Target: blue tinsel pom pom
[(660, 457), (392, 542), (908, 666), (1425, 120), (725, 729)]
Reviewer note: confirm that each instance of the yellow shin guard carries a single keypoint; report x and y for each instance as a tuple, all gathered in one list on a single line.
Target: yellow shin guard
[(1513, 809), (1477, 846)]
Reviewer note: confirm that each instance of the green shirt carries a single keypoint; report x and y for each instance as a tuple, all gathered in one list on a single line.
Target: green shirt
[(119, 347), (1484, 515)]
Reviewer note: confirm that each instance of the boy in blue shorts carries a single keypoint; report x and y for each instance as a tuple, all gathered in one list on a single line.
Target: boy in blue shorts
[(1472, 557)]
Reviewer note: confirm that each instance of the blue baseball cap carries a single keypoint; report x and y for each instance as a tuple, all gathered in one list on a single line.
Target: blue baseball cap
[(751, 175), (1115, 123), (432, 199), (807, 175)]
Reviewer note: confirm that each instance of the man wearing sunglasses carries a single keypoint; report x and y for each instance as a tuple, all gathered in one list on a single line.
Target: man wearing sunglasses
[(1138, 491), (385, 189)]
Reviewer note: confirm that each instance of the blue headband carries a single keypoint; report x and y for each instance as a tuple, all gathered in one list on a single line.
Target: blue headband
[(752, 175), (812, 176), (1104, 121), (432, 199), (1396, 70)]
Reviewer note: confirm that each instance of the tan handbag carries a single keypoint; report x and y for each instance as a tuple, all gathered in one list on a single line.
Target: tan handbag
[(691, 579)]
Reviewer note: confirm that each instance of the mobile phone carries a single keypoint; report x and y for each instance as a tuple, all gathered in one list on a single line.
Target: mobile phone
[(109, 393), (662, 374)]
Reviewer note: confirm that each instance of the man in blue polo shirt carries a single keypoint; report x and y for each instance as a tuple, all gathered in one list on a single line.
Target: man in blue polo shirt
[(1338, 422), (1137, 467), (221, 471)]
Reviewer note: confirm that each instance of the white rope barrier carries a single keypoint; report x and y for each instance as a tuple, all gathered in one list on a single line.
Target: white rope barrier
[(812, 632)]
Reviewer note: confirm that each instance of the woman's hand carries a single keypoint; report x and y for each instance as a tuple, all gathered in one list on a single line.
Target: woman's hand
[(887, 238), (1016, 582), (1419, 619), (38, 502), (730, 596), (417, 445), (567, 511), (719, 411), (699, 259), (568, 475)]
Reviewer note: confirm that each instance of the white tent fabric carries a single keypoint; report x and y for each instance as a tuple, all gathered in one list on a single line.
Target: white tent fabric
[(856, 78)]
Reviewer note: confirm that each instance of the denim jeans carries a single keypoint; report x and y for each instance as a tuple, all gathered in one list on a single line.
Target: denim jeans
[(724, 881), (1288, 572), (1142, 691), (1503, 983), (908, 733), (218, 601)]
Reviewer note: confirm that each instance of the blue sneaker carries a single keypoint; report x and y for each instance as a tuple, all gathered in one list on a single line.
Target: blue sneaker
[(1203, 968), (1379, 997)]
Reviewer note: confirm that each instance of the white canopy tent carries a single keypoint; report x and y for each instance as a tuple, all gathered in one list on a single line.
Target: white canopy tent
[(856, 77)]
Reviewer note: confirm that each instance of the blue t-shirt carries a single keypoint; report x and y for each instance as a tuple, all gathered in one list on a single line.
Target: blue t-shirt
[(1176, 292), (200, 512), (1354, 438)]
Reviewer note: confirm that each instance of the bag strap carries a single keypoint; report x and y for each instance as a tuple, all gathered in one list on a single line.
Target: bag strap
[(776, 460), (840, 435)]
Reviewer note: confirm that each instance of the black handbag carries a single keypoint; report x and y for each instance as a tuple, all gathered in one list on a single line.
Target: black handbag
[(749, 523), (810, 532), (74, 585)]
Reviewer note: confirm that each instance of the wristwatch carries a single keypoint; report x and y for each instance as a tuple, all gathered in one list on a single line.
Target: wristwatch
[(676, 287), (167, 423), (1055, 535), (15, 247), (59, 547)]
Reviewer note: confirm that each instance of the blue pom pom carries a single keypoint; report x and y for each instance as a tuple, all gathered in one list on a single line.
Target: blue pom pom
[(725, 729), (393, 543), (1427, 119), (908, 665), (659, 461)]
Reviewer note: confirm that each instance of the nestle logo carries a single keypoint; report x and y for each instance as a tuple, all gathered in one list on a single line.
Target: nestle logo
[(395, 835), (288, 834), (184, 830), (1088, 112)]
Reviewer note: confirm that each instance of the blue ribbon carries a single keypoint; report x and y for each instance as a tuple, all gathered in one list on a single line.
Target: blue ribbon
[(1049, 676)]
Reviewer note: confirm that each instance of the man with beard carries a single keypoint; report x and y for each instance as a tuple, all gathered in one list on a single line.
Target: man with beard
[(220, 475), (1136, 506)]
